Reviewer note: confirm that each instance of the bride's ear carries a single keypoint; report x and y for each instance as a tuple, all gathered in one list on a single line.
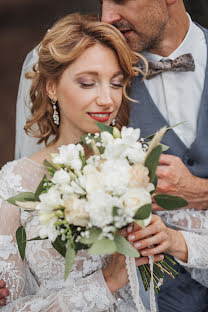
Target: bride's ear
[(51, 89)]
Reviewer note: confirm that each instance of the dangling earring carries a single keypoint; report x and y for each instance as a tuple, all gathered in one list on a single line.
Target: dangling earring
[(55, 113), (113, 123)]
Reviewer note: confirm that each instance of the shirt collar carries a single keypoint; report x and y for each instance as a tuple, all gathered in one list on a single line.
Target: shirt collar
[(194, 34)]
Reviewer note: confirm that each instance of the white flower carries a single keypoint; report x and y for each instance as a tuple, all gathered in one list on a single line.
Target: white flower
[(48, 229), (93, 178), (130, 135), (100, 206), (106, 138), (75, 211), (135, 153), (139, 177), (69, 155), (135, 198), (115, 150), (115, 176), (50, 200), (61, 177)]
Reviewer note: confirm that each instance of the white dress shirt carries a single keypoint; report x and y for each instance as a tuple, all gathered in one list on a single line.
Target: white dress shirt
[(178, 94)]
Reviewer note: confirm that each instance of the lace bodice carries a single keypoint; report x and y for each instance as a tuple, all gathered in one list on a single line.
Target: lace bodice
[(37, 285)]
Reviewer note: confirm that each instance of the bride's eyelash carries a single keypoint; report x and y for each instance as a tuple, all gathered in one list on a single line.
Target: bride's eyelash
[(86, 85), (117, 85)]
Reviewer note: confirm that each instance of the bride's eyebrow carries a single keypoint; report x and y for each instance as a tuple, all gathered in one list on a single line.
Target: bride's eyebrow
[(95, 73)]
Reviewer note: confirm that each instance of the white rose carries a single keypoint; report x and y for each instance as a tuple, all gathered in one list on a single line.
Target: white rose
[(135, 198), (135, 153), (75, 211), (61, 177), (92, 178)]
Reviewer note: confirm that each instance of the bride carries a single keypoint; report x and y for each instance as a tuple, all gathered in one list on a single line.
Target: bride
[(83, 72)]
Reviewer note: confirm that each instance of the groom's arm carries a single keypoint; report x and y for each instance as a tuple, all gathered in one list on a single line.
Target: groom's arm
[(174, 178), (4, 292)]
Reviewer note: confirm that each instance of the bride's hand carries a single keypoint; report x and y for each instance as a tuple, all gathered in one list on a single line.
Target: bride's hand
[(158, 238), (4, 292), (115, 274)]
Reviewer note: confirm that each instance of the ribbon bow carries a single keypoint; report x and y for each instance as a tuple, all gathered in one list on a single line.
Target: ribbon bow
[(182, 63)]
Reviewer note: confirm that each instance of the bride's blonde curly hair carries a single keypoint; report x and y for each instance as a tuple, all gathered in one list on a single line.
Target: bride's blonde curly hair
[(60, 47)]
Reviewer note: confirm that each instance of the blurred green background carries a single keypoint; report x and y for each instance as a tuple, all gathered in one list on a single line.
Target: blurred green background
[(22, 25)]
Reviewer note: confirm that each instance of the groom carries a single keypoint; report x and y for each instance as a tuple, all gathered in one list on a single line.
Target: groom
[(175, 91)]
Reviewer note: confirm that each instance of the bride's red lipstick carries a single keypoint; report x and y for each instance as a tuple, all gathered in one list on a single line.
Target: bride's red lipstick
[(100, 116)]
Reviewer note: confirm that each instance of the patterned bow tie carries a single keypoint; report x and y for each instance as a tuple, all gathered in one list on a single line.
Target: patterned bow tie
[(182, 63)]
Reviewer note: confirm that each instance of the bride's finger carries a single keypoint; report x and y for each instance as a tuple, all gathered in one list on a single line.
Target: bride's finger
[(155, 250), (150, 241)]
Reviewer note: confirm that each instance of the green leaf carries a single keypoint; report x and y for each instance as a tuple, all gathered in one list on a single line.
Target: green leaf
[(154, 182), (22, 197), (143, 212), (93, 237), (103, 127), (60, 246), (69, 260), (104, 246), (21, 241), (152, 161), (39, 189), (124, 247), (115, 211), (170, 202)]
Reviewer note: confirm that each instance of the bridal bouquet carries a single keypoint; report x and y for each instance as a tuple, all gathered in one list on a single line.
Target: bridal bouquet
[(86, 201)]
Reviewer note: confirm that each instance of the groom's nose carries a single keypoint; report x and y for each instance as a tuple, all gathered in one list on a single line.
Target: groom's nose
[(110, 13)]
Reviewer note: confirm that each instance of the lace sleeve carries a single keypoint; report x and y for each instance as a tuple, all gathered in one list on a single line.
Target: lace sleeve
[(197, 263), (191, 220), (84, 290)]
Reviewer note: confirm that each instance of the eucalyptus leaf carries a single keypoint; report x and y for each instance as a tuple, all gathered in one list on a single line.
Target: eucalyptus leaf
[(22, 197), (124, 247), (103, 127), (21, 241), (154, 182), (143, 212), (69, 260), (60, 246), (170, 202), (94, 233), (104, 246), (39, 189), (152, 161)]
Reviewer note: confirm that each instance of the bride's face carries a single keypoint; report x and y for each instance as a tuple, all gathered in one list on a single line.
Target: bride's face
[(89, 90)]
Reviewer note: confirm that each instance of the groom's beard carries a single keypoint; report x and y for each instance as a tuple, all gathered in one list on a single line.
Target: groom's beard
[(139, 41)]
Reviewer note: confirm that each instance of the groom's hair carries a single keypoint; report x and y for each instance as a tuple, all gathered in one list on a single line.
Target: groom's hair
[(60, 47)]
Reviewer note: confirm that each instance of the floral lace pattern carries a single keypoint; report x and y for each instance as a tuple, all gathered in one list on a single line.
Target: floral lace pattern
[(37, 285)]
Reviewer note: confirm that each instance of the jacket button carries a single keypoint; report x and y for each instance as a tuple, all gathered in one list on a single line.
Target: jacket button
[(190, 162)]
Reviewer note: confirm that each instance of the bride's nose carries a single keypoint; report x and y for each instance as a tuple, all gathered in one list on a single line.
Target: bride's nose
[(104, 97)]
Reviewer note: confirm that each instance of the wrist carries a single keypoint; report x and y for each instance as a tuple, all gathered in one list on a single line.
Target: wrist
[(109, 281), (178, 247)]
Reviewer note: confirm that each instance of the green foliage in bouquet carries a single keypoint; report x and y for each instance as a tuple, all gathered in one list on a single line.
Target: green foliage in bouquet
[(70, 240)]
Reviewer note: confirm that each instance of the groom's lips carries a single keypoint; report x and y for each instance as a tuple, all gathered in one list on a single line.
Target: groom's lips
[(126, 32), (100, 116)]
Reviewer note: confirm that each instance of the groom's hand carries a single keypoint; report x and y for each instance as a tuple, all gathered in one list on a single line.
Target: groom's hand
[(175, 179), (4, 292)]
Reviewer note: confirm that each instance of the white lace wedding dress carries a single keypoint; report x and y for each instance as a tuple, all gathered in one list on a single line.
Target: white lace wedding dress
[(37, 285)]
